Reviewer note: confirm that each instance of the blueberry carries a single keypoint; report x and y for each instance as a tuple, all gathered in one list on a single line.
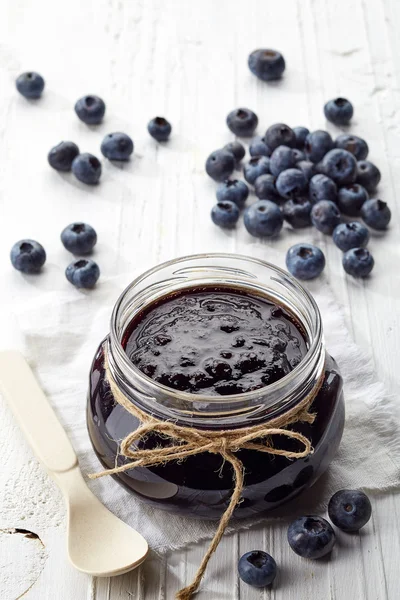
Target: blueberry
[(265, 189), (301, 134), (291, 183), (317, 144), (325, 216), (79, 238), (350, 235), (297, 212), (353, 144), (305, 261), (341, 166), (280, 134), (257, 568), (376, 214), (358, 262), (219, 369), (233, 190), (282, 158), (349, 510), (298, 155), (28, 256), (159, 128), (30, 85), (266, 64), (242, 122), (263, 219), (220, 164), (117, 146), (258, 147), (86, 168), (339, 111), (90, 109), (237, 149), (368, 175), (225, 214), (61, 156), (322, 188), (257, 165), (307, 168), (83, 273), (351, 198), (311, 537)]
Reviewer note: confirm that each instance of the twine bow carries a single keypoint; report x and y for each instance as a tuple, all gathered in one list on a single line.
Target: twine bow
[(187, 441)]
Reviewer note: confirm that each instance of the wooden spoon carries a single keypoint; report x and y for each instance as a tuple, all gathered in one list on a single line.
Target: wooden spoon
[(98, 542)]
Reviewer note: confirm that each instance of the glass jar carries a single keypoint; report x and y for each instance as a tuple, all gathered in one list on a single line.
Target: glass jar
[(201, 485)]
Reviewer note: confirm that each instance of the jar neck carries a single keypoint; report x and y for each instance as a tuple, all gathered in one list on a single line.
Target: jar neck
[(222, 411)]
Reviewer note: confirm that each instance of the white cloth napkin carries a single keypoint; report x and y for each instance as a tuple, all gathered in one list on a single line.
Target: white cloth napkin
[(59, 334)]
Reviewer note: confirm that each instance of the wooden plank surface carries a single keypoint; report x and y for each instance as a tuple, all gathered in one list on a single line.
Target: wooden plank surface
[(188, 61)]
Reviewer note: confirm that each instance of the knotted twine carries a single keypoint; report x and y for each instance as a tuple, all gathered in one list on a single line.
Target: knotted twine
[(189, 441)]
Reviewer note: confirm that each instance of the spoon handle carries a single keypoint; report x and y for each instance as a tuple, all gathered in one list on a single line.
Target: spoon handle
[(34, 414)]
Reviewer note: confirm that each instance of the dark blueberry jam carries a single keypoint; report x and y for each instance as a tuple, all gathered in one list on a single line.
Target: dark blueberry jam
[(216, 341)]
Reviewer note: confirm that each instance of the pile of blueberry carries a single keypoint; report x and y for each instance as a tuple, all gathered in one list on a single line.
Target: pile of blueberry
[(301, 177), (28, 256), (310, 537)]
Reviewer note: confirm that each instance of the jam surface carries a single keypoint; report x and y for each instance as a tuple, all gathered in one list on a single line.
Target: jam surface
[(215, 341)]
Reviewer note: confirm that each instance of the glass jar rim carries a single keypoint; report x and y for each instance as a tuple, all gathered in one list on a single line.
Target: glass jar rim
[(233, 399)]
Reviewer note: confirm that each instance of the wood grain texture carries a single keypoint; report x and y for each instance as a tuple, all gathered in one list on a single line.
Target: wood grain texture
[(188, 61)]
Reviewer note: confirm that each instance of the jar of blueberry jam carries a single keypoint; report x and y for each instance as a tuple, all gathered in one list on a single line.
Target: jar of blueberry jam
[(216, 341)]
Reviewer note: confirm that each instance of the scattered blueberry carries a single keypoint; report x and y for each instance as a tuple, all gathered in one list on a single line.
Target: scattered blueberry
[(159, 128), (83, 273), (257, 165), (257, 568), (349, 510), (61, 156), (117, 146), (237, 149), (322, 188), (30, 85), (265, 189), (28, 256), (220, 164), (325, 216), (298, 155), (281, 159), (263, 219), (339, 111), (258, 147), (307, 168), (301, 134), (233, 190), (79, 238), (358, 262), (351, 198), (242, 122), (90, 109), (291, 183), (353, 144), (86, 168), (296, 211), (305, 261), (311, 537), (317, 144), (225, 214), (368, 175), (376, 214), (266, 64), (341, 166), (280, 134), (350, 235)]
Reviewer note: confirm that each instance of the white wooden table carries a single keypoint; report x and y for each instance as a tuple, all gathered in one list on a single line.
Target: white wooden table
[(188, 61)]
